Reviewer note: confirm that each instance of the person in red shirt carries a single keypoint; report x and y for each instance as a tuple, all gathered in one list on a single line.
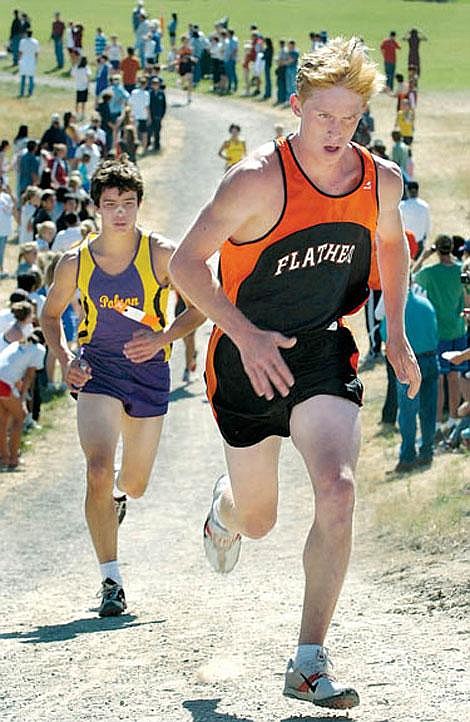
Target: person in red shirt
[(389, 48), (130, 66)]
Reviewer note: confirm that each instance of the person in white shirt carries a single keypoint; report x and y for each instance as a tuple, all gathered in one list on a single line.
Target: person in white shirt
[(7, 207), (30, 201), (90, 147), (72, 234), (18, 364), (416, 215), (114, 51), (6, 316), (29, 51), (140, 102), (82, 75)]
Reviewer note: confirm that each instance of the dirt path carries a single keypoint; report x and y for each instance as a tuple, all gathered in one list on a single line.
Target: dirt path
[(196, 647)]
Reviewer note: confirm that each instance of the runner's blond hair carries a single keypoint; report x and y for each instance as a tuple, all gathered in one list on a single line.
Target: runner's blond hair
[(343, 62)]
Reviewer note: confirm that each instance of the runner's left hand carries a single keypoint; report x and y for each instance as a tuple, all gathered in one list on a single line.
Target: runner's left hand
[(143, 346), (401, 356)]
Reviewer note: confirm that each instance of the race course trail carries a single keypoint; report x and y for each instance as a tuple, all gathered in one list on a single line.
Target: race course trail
[(196, 647)]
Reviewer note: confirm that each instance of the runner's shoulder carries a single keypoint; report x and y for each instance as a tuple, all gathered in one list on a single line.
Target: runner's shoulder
[(390, 182), (162, 249)]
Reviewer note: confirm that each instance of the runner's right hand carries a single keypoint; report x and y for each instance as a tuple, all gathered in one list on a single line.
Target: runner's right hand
[(77, 373), (264, 364)]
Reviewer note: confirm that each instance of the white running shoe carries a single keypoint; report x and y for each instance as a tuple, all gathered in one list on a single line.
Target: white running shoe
[(221, 546), (318, 685)]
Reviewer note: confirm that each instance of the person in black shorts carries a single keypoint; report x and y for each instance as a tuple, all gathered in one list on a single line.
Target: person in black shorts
[(301, 216)]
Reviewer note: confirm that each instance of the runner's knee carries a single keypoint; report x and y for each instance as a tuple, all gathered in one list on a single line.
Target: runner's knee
[(100, 476), (334, 499)]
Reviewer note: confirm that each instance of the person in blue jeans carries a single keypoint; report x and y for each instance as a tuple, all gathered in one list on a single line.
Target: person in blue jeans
[(421, 330)]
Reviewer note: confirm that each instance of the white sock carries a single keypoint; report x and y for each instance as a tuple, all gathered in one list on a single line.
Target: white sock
[(305, 656), (110, 570)]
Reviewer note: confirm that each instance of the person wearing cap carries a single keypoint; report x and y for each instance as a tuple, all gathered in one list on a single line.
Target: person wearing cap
[(444, 288), (416, 214), (54, 134), (378, 148)]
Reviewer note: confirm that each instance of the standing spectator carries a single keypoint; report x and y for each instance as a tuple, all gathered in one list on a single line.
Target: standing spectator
[(57, 36), (90, 147), (7, 209), (130, 66), (58, 166), (365, 128), (421, 331), (102, 75), (82, 75), (141, 33), (107, 120), (150, 49), (4, 164), (444, 289), (400, 153), (389, 48), (16, 33), (172, 27), (18, 365), (100, 135), (413, 38), (405, 121), (77, 35), (115, 52), (139, 102), (45, 210), (70, 235), (401, 91), (69, 40), (70, 206), (268, 61), (291, 69), (101, 42), (28, 167), (28, 56), (416, 215), (136, 14), (231, 61), (46, 234), (27, 259), (54, 134), (119, 98), (157, 108), (281, 66), (30, 201)]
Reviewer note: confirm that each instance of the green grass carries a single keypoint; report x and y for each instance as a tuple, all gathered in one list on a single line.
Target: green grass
[(445, 59)]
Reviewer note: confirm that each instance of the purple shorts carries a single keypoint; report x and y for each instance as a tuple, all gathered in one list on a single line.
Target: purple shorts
[(143, 388)]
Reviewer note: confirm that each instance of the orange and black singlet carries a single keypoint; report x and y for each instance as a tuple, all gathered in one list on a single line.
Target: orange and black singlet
[(310, 269), (313, 266)]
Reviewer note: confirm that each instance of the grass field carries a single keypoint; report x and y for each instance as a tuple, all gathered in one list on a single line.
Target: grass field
[(445, 58)]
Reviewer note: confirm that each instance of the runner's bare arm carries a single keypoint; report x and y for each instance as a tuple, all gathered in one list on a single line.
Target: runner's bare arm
[(241, 198), (146, 343), (394, 267), (60, 294)]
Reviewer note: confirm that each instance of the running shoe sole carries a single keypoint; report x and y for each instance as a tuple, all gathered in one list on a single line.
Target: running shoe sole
[(345, 700)]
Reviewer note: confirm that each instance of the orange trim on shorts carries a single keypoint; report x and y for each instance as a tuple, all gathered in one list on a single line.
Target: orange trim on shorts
[(211, 378)]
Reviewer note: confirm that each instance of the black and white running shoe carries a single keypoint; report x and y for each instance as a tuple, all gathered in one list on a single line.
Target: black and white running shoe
[(120, 504), (113, 600)]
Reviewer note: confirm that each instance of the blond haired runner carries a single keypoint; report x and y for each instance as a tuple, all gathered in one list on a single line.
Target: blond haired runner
[(296, 225)]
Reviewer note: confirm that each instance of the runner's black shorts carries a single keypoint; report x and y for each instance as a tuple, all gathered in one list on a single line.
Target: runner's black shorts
[(322, 362)]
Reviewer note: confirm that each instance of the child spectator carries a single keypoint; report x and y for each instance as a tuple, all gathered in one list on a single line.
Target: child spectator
[(21, 326), (405, 121), (46, 234), (27, 258), (18, 364), (58, 166), (84, 168), (30, 201)]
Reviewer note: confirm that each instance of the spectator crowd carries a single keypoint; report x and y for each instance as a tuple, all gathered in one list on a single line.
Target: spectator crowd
[(52, 209)]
